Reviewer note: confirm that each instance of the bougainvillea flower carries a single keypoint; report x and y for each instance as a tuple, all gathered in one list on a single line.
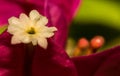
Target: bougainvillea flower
[(30, 30), (24, 60)]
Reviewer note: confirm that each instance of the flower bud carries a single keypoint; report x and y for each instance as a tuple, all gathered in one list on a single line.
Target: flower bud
[(83, 43), (97, 42)]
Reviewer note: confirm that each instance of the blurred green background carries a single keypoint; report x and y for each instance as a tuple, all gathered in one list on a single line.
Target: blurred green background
[(96, 17)]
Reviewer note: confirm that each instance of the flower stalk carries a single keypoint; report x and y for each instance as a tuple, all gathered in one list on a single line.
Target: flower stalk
[(29, 54)]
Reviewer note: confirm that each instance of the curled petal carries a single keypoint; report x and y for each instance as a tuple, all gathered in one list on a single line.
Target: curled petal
[(52, 61), (105, 63), (60, 13)]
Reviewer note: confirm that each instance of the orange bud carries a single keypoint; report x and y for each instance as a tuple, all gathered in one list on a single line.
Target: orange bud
[(97, 42), (83, 43)]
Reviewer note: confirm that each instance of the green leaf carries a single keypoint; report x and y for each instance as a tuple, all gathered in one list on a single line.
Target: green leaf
[(2, 29), (100, 11)]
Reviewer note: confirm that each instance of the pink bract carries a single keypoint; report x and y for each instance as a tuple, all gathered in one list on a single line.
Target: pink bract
[(54, 61)]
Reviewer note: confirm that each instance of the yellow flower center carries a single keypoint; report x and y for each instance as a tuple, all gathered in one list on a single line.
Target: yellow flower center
[(31, 31)]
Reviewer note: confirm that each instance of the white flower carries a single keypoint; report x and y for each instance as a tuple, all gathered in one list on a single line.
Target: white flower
[(30, 29)]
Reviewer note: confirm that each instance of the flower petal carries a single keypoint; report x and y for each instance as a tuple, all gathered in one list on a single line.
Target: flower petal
[(48, 32), (43, 42), (47, 35), (4, 72), (52, 29), (52, 61), (24, 19), (5, 11), (14, 21), (42, 22), (12, 29), (25, 39), (34, 15), (11, 57), (60, 14), (34, 41), (15, 40), (5, 55), (105, 63)]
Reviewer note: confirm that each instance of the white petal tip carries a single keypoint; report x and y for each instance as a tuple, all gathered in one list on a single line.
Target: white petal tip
[(14, 40), (43, 43), (44, 47), (34, 11), (55, 29)]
